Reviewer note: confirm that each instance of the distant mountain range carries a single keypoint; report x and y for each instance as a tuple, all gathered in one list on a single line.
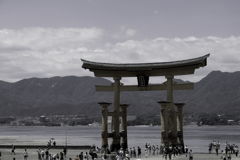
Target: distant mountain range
[(217, 93)]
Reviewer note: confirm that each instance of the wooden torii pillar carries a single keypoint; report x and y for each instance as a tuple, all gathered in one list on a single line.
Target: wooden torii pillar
[(164, 125), (124, 142), (115, 145), (122, 134), (104, 125), (180, 124)]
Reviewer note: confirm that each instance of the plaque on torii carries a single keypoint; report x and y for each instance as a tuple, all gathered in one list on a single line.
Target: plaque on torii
[(171, 133)]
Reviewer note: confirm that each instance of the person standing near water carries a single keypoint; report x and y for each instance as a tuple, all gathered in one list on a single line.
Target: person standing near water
[(76, 158), (216, 149), (134, 152), (153, 148), (61, 155), (25, 154), (131, 153), (190, 155), (54, 143), (157, 150), (146, 152), (186, 150), (81, 156), (139, 152), (65, 151), (86, 156)]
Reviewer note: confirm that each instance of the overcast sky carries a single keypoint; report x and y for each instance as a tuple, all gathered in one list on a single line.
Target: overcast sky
[(46, 38)]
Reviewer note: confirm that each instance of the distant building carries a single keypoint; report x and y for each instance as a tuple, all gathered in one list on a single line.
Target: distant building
[(42, 119), (230, 121)]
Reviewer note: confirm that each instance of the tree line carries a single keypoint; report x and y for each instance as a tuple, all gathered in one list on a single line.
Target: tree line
[(200, 119)]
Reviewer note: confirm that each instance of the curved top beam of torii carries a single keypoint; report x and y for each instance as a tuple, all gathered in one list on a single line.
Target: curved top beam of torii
[(182, 67)]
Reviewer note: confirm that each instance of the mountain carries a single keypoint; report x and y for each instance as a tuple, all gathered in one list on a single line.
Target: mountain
[(218, 92)]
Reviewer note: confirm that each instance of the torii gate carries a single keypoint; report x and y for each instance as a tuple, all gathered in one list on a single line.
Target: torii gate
[(171, 120)]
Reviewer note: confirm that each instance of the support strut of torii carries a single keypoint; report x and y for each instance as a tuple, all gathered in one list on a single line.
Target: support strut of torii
[(171, 120)]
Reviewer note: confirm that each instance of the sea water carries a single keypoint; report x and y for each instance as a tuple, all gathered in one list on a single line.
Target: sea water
[(196, 137)]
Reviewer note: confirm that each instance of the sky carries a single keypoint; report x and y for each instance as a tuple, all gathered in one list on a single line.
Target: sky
[(49, 38)]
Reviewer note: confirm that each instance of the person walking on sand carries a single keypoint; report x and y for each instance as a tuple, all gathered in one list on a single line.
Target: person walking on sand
[(186, 150), (25, 154), (216, 149), (86, 156), (131, 153), (190, 155), (54, 143), (146, 152), (61, 156), (139, 152), (65, 152), (153, 149), (229, 157), (76, 158), (49, 157), (81, 156), (134, 152), (47, 153), (157, 150)]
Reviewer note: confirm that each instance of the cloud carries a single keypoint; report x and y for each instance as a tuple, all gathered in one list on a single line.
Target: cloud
[(124, 32), (47, 52), (130, 32)]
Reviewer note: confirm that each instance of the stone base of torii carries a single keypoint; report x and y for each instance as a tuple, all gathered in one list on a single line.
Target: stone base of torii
[(122, 136), (168, 136)]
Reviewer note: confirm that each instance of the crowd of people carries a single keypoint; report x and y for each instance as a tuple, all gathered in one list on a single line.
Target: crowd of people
[(226, 152), (45, 154), (174, 151), (167, 152), (150, 150)]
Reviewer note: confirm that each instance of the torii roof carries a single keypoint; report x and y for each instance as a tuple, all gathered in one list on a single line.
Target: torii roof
[(151, 69)]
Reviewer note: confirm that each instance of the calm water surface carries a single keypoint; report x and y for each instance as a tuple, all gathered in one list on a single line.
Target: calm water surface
[(197, 138)]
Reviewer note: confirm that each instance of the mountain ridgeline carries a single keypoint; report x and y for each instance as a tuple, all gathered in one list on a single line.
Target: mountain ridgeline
[(217, 93)]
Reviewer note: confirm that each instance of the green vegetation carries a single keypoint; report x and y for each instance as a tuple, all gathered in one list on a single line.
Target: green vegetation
[(200, 119), (6, 120), (210, 118), (86, 120), (144, 119)]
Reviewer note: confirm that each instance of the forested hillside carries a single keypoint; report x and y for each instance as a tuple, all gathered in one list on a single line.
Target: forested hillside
[(217, 93)]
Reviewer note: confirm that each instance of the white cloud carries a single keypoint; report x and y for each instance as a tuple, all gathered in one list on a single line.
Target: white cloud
[(99, 50), (131, 32), (124, 32), (46, 52)]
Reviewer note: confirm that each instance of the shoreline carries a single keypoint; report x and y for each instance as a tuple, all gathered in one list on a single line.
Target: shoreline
[(84, 147)]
